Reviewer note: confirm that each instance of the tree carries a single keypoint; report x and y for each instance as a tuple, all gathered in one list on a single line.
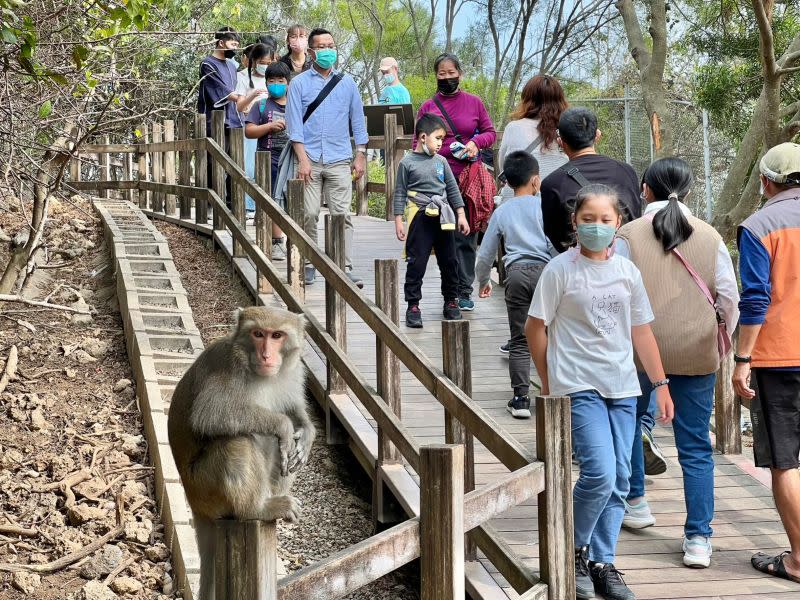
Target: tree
[(651, 64)]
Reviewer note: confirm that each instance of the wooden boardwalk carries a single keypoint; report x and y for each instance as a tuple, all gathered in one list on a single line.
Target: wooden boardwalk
[(746, 519)]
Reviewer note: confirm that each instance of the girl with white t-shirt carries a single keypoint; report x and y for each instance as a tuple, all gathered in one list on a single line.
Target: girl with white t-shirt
[(589, 312)]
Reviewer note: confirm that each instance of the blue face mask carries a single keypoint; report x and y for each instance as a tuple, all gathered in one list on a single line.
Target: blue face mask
[(596, 236), (276, 90), (388, 79), (325, 57)]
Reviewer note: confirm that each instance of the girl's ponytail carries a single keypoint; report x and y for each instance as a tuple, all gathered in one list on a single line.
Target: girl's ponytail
[(670, 179)]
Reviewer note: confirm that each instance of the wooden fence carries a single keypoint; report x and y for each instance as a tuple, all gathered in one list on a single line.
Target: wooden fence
[(170, 183)]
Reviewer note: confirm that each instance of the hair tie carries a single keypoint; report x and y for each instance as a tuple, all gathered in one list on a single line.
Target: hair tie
[(672, 196)]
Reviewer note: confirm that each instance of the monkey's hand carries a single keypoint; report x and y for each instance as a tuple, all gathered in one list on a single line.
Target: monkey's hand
[(303, 439), (282, 507), (286, 442)]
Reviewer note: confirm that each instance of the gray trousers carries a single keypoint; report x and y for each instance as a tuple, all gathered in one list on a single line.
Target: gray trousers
[(520, 283), (334, 183)]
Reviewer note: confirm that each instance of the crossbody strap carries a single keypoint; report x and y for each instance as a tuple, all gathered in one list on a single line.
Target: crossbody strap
[(534, 144), (448, 119), (575, 174), (323, 93)]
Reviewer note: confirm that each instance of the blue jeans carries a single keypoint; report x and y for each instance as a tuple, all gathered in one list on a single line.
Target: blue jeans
[(645, 419), (602, 436), (693, 396)]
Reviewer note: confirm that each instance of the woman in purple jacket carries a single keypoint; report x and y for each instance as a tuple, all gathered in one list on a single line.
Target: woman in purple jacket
[(474, 128)]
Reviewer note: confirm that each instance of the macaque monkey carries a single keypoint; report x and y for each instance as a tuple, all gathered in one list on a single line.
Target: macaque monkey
[(239, 429)]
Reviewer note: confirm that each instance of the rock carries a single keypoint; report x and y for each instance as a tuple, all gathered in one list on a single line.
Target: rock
[(95, 347), (83, 357), (81, 318), (108, 560), (157, 553), (132, 489), (4, 237), (37, 420), (70, 373), (166, 584), (131, 444), (126, 585), (18, 415), (94, 590), (139, 531), (79, 514), (10, 458), (26, 582), (21, 238), (122, 384)]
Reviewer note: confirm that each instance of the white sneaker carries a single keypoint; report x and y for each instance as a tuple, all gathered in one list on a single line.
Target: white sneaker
[(697, 551), (278, 251), (639, 516)]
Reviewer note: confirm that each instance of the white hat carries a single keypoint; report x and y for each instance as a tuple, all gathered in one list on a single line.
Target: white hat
[(387, 63), (781, 164)]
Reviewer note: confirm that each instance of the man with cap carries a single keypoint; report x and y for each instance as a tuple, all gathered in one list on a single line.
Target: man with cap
[(768, 354), (394, 92)]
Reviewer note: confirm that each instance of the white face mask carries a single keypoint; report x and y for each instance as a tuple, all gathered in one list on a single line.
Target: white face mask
[(760, 187), (261, 69), (425, 149)]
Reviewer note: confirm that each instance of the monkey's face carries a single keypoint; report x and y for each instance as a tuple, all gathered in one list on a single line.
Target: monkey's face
[(267, 353)]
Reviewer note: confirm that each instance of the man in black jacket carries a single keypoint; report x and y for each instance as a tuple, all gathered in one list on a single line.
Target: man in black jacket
[(577, 135)]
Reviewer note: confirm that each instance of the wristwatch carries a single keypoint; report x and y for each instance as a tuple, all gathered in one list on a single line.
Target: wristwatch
[(657, 384), (742, 359), (362, 149)]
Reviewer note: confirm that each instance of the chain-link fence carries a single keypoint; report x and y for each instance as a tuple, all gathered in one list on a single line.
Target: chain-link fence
[(626, 136)]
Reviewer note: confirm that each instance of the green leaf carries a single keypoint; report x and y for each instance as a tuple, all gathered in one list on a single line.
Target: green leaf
[(45, 109), (9, 37), (79, 55)]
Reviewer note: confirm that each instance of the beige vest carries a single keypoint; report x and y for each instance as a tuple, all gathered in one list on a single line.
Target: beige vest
[(685, 323)]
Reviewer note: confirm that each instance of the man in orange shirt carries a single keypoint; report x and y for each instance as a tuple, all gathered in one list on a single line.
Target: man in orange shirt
[(769, 265)]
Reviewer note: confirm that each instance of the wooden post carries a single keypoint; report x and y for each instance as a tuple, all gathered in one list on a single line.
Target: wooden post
[(727, 410), (263, 222), (441, 526), (390, 129), (218, 133), (127, 168), (362, 200), (143, 174), (237, 190), (457, 364), (200, 170), (335, 323), (104, 161), (169, 167), (556, 544), (387, 292), (184, 168), (75, 168), (246, 560), (156, 164), (295, 268)]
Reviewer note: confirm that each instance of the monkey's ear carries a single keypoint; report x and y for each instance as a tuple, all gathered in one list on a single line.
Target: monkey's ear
[(301, 325), (235, 318)]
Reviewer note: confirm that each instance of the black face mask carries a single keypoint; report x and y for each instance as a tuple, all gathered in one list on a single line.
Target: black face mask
[(448, 86), (230, 53)]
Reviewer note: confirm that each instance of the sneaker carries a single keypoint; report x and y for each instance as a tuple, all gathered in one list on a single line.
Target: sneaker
[(639, 516), (451, 311), (608, 582), (584, 586), (654, 461), (505, 348), (414, 316), (311, 275), (359, 283), (520, 407), (697, 551), (278, 250), (466, 304)]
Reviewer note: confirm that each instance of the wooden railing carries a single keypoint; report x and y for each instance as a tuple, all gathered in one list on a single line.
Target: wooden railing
[(447, 494)]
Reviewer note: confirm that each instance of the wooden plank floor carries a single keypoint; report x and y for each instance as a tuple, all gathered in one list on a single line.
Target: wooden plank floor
[(745, 521)]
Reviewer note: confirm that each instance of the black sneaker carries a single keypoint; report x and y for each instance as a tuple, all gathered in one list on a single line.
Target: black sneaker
[(505, 348), (654, 461), (520, 407), (451, 311), (608, 582), (414, 316), (584, 587)]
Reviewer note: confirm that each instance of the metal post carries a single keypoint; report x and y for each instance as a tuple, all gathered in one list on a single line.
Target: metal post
[(707, 168), (627, 127)]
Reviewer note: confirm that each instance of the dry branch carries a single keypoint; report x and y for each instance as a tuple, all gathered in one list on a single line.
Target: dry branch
[(10, 369), (67, 560), (20, 299), (20, 531)]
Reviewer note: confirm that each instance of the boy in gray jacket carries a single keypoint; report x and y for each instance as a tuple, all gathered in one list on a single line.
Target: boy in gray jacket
[(427, 192), (518, 222)]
